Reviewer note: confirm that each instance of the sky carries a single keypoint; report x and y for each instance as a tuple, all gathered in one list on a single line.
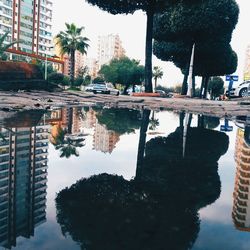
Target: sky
[(132, 31)]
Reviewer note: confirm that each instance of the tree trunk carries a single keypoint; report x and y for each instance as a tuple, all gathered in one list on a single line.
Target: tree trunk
[(125, 92), (142, 140), (72, 67), (148, 52), (206, 87), (184, 84), (202, 86), (181, 119), (133, 88), (193, 85), (201, 123)]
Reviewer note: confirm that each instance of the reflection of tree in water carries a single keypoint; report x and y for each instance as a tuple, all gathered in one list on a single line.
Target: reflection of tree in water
[(121, 120), (67, 146), (156, 210)]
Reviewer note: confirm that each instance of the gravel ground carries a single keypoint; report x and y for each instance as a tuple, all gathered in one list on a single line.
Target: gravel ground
[(15, 101)]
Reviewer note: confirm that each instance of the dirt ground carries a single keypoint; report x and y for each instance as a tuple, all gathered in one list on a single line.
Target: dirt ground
[(15, 101)]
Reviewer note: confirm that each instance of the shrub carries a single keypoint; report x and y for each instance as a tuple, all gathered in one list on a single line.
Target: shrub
[(56, 77)]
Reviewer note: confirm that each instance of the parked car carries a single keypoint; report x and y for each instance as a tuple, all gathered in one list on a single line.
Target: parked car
[(242, 90), (89, 88), (105, 88), (161, 92)]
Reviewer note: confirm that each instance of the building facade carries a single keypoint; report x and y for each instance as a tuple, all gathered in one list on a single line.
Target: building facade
[(109, 47), (29, 22), (247, 65), (79, 63), (92, 67), (23, 181), (241, 196)]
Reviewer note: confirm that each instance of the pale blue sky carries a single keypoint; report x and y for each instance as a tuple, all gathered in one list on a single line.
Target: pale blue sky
[(131, 29)]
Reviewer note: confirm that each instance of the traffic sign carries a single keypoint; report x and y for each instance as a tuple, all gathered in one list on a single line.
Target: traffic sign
[(224, 128), (232, 78)]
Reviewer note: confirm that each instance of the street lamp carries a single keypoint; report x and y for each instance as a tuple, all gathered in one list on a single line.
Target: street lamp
[(46, 64), (190, 77)]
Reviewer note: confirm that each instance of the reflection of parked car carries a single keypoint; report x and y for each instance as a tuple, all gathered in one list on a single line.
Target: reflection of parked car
[(105, 88), (241, 91), (89, 88)]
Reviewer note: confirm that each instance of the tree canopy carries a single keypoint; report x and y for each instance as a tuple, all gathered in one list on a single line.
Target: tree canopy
[(130, 6), (208, 24), (215, 87), (197, 20), (123, 71)]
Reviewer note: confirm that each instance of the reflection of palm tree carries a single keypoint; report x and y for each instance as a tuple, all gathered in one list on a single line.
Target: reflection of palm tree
[(67, 146), (153, 123)]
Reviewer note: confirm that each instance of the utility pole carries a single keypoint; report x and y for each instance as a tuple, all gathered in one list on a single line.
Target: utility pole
[(190, 75)]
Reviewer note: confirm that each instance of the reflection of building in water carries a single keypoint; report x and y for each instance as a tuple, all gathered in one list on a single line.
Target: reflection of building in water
[(104, 140), (241, 206), (67, 119), (90, 119), (23, 181)]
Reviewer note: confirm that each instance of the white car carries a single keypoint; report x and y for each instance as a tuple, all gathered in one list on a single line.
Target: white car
[(242, 90), (89, 88), (105, 88)]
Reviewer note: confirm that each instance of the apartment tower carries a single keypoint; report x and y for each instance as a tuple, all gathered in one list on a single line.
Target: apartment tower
[(23, 180), (241, 196), (109, 47), (30, 23)]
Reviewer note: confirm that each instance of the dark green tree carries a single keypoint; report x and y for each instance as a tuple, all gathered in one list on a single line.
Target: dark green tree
[(151, 7), (184, 24), (215, 87), (98, 79), (55, 77), (196, 20), (123, 71)]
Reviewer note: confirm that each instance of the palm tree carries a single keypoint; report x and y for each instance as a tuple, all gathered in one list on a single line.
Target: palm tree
[(4, 46), (157, 73), (69, 41)]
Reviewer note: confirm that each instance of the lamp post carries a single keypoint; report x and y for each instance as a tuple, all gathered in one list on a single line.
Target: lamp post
[(46, 64), (190, 77)]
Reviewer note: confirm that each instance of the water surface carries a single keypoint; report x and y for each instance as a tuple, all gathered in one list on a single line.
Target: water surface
[(145, 180)]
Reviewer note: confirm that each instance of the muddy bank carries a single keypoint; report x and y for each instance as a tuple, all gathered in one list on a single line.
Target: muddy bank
[(15, 101)]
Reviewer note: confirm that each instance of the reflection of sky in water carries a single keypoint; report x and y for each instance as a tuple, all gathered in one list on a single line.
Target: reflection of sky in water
[(216, 229)]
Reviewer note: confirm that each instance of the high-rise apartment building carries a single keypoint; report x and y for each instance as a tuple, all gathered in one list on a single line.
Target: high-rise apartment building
[(23, 180), (30, 23), (241, 204), (91, 65), (109, 47), (79, 63), (247, 64)]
